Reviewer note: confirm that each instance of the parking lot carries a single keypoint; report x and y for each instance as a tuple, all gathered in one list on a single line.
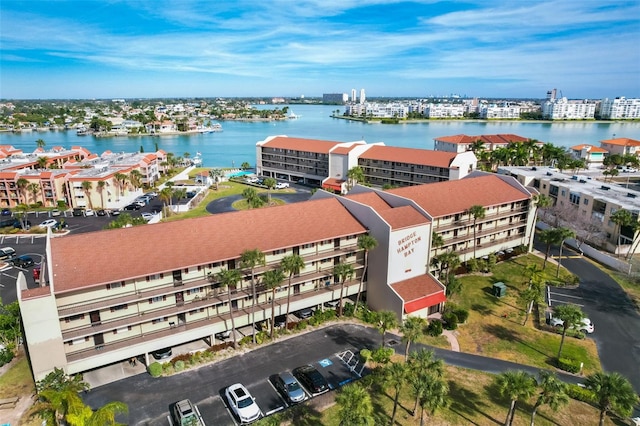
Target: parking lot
[(205, 386)]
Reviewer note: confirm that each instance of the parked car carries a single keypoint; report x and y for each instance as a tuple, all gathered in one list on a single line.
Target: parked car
[(89, 212), (311, 379), (55, 213), (304, 313), (282, 185), (280, 321), (139, 203), (114, 212), (49, 223), (78, 211), (131, 207), (586, 326), (146, 216), (242, 404), (162, 353), (23, 261), (333, 304), (101, 212), (7, 253), (289, 387), (19, 224), (6, 212), (187, 414)]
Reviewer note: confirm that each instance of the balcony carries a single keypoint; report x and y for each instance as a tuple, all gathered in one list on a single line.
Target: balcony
[(241, 317)]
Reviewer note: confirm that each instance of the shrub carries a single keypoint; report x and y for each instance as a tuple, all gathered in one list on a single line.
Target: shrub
[(365, 355), (179, 365), (155, 369), (462, 315), (6, 355), (382, 355), (451, 320), (245, 340), (302, 325), (568, 364), (579, 393), (472, 265), (181, 357), (348, 310), (434, 328)]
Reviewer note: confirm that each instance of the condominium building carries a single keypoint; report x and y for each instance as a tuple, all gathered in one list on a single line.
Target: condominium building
[(621, 146), (564, 109), (499, 111), (463, 143), (620, 108), (395, 166), (326, 163), (585, 205), (97, 307), (593, 156)]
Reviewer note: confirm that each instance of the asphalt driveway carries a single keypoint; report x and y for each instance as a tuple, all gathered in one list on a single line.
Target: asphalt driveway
[(223, 205)]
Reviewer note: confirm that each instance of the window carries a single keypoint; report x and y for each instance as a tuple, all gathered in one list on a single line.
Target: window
[(122, 330), (78, 341), (158, 299), (195, 290), (119, 307), (115, 285), (281, 251), (74, 318), (159, 320)]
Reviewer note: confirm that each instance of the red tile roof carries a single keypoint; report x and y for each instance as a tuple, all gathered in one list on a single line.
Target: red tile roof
[(372, 199), (501, 139), (403, 217), (344, 150), (299, 144), (621, 142), (423, 157), (456, 196), (119, 254), (591, 148), (418, 290)]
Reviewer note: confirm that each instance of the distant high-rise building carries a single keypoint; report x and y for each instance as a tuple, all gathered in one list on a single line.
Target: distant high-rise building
[(620, 108), (335, 98), (551, 95), (362, 96), (353, 95)]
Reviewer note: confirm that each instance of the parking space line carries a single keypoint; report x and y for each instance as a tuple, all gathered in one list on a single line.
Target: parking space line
[(560, 302), (567, 295)]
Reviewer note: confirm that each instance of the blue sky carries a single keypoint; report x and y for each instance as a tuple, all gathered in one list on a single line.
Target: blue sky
[(125, 49)]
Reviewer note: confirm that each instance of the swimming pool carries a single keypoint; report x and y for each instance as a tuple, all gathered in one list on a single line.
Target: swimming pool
[(240, 173)]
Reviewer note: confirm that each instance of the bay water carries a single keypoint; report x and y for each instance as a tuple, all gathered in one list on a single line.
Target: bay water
[(237, 142)]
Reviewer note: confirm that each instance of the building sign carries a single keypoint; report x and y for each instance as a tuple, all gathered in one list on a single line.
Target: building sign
[(407, 245)]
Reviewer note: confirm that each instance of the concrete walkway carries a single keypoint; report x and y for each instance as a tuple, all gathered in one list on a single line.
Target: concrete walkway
[(453, 340)]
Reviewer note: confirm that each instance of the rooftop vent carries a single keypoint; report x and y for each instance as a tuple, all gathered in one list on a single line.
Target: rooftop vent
[(549, 174), (605, 188), (582, 181), (630, 195)]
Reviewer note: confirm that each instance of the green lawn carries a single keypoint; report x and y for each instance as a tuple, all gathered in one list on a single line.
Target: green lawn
[(495, 329)]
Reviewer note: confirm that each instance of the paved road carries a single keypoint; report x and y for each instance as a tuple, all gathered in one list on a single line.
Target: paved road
[(149, 399), (223, 205)]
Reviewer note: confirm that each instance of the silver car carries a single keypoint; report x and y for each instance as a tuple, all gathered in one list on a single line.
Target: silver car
[(289, 387)]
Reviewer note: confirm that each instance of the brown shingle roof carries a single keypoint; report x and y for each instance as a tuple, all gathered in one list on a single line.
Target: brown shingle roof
[(396, 154), (417, 287), (299, 144), (456, 196), (371, 199), (97, 258)]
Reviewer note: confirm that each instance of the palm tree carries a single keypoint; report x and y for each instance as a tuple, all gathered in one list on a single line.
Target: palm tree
[(355, 407), (86, 188), (423, 363), (563, 234), (216, 175), (291, 265), (21, 185), (539, 201), (395, 375), (412, 330), (106, 415), (344, 272), (434, 396), (366, 243), (476, 212), (165, 196), (56, 405), (552, 393), (612, 393), (515, 385), (34, 188), (272, 279), (249, 259), (548, 237), (621, 218), (270, 183), (230, 278), (135, 178), (571, 316), (42, 162), (40, 143), (245, 165), (385, 320), (354, 175), (529, 297), (121, 179), (100, 188)]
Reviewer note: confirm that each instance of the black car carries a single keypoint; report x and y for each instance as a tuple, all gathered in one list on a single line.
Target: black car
[(132, 207), (311, 379), (23, 261), (162, 353), (101, 212), (6, 212), (78, 212)]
